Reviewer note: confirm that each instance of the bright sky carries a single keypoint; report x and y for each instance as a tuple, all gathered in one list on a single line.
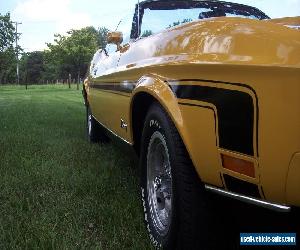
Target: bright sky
[(42, 18)]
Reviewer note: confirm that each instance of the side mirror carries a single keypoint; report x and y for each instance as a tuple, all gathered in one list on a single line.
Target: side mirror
[(115, 37)]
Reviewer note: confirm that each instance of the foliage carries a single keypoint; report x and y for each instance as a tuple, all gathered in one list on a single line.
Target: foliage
[(7, 36), (102, 37), (68, 55), (146, 33), (186, 20), (7, 50), (8, 66), (72, 54), (32, 67)]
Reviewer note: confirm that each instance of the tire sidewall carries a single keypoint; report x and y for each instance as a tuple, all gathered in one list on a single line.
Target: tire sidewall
[(97, 133), (89, 133), (157, 121)]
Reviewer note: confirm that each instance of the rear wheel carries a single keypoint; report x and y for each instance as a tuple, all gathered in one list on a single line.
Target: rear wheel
[(94, 131), (172, 194)]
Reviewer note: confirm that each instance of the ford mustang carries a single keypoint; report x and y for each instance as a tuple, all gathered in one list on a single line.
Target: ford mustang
[(207, 94)]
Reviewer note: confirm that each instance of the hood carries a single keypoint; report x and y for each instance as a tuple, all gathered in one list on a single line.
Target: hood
[(291, 22), (222, 40)]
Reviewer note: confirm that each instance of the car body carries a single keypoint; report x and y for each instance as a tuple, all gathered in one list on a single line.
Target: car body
[(230, 86)]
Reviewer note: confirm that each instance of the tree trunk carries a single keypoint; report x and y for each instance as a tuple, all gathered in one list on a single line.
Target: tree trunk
[(69, 81)]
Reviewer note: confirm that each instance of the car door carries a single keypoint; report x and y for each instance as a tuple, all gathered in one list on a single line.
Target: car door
[(112, 89), (110, 95)]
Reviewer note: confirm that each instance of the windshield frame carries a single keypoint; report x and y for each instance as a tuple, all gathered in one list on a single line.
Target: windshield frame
[(171, 4)]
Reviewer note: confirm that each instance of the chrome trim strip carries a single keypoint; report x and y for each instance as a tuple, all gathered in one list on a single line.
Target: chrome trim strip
[(113, 132), (297, 27), (262, 203)]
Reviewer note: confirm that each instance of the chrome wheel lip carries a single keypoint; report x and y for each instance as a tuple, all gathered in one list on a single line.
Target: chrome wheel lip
[(159, 183), (89, 124)]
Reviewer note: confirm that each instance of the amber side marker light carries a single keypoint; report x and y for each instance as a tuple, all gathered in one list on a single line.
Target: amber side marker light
[(238, 165)]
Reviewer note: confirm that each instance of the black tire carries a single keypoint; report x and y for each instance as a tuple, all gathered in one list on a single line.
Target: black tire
[(94, 131), (188, 195)]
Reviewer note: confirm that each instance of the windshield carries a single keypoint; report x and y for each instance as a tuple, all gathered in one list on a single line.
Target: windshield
[(156, 16)]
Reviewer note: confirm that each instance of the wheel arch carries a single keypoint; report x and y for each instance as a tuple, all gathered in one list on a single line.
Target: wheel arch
[(152, 89), (139, 109)]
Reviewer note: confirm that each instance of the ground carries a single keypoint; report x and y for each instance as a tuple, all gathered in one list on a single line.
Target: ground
[(57, 190)]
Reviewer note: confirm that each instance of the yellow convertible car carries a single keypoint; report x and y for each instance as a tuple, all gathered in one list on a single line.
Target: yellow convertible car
[(207, 93)]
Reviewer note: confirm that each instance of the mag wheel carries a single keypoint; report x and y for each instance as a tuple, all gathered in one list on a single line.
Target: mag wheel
[(159, 183), (94, 131), (172, 194)]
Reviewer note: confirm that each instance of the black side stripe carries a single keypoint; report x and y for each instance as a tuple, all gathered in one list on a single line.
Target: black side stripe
[(235, 109), (233, 84), (126, 87), (115, 93), (235, 114)]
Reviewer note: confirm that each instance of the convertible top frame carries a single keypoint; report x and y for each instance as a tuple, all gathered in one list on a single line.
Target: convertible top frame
[(218, 7)]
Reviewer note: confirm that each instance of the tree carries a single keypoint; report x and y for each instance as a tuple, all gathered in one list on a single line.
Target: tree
[(185, 20), (72, 54), (52, 68), (102, 36), (7, 50), (32, 67), (7, 30), (147, 33), (68, 54)]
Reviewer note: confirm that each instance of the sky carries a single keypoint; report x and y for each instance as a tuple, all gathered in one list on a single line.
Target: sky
[(41, 19)]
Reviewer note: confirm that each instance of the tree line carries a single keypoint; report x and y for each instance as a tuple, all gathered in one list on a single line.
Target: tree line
[(67, 55)]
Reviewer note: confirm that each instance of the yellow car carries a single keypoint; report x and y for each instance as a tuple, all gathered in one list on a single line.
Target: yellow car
[(207, 93)]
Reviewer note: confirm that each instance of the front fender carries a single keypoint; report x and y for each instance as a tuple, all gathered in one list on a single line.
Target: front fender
[(159, 89), (195, 125)]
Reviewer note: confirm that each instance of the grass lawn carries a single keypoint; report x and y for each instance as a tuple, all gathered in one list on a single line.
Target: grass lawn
[(56, 189)]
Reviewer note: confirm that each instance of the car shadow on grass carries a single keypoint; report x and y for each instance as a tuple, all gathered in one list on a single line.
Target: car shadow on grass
[(228, 218)]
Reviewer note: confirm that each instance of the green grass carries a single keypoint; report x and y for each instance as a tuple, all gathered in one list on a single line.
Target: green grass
[(56, 189)]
